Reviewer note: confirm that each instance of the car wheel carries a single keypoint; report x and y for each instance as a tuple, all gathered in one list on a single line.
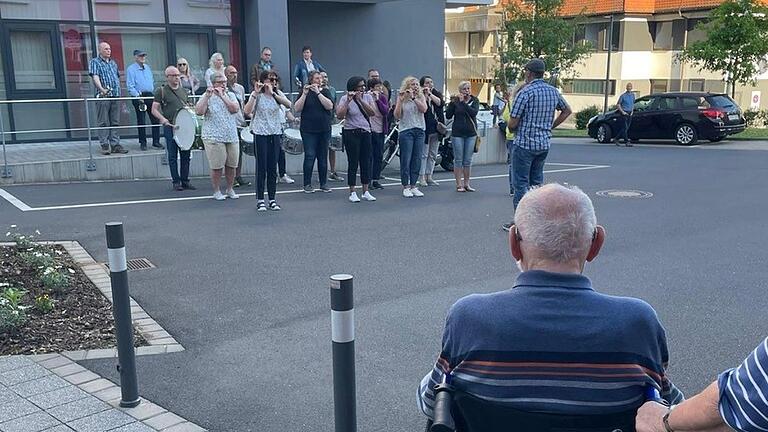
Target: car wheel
[(716, 139), (604, 133), (685, 134)]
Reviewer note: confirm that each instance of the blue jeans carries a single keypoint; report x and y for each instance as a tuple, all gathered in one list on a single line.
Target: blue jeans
[(267, 150), (463, 148), (411, 143), (510, 149), (377, 154), (625, 122), (528, 167), (173, 152), (316, 147)]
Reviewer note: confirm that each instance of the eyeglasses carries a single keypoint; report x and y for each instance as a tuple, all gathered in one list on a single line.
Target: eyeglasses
[(173, 75), (361, 86)]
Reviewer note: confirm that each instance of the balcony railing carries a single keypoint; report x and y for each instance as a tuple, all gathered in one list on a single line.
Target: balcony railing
[(471, 67), (484, 22)]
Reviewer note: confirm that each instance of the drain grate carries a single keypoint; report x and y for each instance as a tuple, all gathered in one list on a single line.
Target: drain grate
[(137, 264), (623, 193)]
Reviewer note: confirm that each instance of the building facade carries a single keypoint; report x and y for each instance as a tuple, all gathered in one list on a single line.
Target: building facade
[(46, 45), (646, 36)]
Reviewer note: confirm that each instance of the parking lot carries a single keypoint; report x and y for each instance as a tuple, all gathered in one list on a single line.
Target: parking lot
[(247, 294)]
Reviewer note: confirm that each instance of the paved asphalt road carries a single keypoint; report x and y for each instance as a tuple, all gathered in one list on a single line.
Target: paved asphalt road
[(247, 293)]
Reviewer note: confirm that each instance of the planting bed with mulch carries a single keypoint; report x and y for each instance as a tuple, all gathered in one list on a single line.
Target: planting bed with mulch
[(64, 310)]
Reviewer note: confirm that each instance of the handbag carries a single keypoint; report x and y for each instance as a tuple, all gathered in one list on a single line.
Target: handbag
[(478, 140)]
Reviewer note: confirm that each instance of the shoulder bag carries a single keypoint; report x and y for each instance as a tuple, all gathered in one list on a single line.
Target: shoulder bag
[(478, 139)]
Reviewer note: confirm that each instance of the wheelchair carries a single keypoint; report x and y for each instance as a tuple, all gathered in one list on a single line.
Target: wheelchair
[(457, 411)]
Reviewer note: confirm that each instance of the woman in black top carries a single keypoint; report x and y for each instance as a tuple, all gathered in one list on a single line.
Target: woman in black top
[(433, 115), (463, 110), (316, 108)]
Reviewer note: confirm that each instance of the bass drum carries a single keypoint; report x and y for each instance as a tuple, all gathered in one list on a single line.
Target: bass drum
[(292, 143), (336, 144), (246, 141), (188, 128)]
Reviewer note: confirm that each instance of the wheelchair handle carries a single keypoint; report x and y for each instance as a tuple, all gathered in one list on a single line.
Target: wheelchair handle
[(442, 412)]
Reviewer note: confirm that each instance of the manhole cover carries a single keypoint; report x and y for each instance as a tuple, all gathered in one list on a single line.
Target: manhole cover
[(137, 264), (624, 193)]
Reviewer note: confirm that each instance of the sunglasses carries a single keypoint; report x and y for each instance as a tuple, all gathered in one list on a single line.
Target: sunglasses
[(181, 64)]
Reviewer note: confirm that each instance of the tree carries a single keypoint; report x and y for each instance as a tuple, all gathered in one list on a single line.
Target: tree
[(535, 28), (736, 42)]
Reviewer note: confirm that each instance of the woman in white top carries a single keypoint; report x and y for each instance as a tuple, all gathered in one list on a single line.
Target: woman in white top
[(267, 127), (409, 110), (215, 64), (219, 134)]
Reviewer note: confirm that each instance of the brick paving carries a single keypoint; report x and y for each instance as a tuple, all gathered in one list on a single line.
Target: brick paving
[(70, 150), (51, 393)]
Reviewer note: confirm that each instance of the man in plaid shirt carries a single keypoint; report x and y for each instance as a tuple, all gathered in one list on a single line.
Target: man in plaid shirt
[(531, 116)]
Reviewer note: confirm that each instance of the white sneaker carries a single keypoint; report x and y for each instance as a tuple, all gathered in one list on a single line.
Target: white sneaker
[(231, 194), (407, 193), (368, 197), (354, 198), (218, 196), (416, 192), (287, 179)]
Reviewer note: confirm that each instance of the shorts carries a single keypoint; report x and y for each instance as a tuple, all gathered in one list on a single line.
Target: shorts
[(221, 154)]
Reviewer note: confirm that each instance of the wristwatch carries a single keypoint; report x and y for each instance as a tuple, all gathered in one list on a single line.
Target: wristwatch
[(665, 419)]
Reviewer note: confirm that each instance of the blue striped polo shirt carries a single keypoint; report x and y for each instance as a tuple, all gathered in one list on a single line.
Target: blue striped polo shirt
[(553, 345), (744, 392), (535, 106)]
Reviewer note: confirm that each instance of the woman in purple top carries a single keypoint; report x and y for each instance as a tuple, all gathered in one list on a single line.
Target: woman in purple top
[(356, 108), (379, 129)]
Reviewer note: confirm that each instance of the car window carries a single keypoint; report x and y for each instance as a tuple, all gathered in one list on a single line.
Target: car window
[(642, 104), (721, 101), (689, 102), (664, 103)]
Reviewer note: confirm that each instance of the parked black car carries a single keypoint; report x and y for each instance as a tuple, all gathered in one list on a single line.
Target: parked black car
[(685, 117)]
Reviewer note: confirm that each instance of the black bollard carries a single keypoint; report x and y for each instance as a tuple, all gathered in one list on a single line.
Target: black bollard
[(121, 309), (343, 341)]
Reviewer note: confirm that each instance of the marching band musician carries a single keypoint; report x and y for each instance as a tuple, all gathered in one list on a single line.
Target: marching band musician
[(169, 99), (316, 108), (239, 91), (219, 134), (267, 127)]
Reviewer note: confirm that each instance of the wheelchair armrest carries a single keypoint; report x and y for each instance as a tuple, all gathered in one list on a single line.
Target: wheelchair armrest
[(443, 419)]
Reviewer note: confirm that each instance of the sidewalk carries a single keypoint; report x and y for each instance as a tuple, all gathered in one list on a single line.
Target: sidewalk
[(51, 393), (68, 150)]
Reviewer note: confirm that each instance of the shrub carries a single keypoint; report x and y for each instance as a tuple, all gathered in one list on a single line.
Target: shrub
[(43, 303), (54, 280), (583, 116), (37, 259), (12, 313), (752, 117), (23, 242)]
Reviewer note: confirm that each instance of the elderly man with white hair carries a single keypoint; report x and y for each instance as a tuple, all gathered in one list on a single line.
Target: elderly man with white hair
[(552, 344)]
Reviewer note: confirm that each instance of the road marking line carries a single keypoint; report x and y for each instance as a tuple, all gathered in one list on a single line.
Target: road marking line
[(19, 204), (25, 208)]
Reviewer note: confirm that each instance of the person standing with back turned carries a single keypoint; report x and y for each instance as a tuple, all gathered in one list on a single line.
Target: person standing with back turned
[(531, 116)]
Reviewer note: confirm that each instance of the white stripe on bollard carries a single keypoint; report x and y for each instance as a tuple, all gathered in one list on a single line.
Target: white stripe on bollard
[(116, 258), (343, 326)]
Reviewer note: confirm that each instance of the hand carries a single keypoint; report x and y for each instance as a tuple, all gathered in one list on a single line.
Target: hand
[(305, 90), (315, 88), (209, 91), (175, 127), (454, 99), (649, 416), (268, 89), (257, 86), (104, 92)]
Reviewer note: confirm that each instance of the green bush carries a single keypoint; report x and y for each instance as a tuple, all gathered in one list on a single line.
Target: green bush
[(43, 303), (752, 117), (12, 314), (583, 116), (54, 280)]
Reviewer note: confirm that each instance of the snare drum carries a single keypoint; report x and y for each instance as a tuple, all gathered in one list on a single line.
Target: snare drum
[(188, 128), (335, 144), (246, 141), (292, 143)]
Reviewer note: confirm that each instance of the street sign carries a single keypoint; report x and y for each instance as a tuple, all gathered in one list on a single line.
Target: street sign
[(754, 102)]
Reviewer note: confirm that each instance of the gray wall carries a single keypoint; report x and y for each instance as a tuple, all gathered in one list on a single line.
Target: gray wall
[(266, 22), (399, 38)]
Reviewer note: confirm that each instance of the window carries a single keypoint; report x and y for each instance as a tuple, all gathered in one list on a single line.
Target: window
[(690, 103), (695, 31), (475, 43), (225, 47), (75, 10), (696, 85), (140, 11), (664, 103), (661, 32), (124, 40), (588, 87), (614, 38), (658, 86), (32, 60), (208, 12), (643, 104), (588, 34), (76, 52), (194, 48)]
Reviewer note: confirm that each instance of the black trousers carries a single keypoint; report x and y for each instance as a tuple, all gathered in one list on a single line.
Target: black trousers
[(267, 147), (141, 119), (357, 144)]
